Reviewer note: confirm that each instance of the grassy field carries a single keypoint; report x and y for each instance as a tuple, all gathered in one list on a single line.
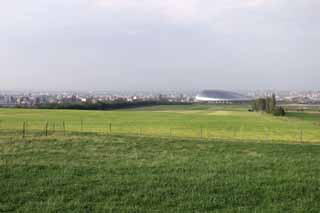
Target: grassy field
[(138, 174), (242, 161), (230, 122)]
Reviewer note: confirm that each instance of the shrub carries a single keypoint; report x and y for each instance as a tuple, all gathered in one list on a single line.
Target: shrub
[(279, 111)]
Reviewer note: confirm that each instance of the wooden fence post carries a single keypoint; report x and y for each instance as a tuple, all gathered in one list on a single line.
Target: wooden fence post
[(24, 129), (54, 127), (46, 129), (64, 127), (27, 126), (205, 133)]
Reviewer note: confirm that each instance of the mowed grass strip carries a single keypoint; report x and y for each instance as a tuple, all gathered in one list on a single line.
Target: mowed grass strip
[(138, 174)]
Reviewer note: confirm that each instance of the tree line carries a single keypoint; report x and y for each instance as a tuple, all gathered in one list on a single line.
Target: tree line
[(268, 105), (104, 105)]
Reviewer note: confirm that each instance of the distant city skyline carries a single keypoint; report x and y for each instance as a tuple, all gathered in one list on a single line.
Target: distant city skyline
[(180, 45)]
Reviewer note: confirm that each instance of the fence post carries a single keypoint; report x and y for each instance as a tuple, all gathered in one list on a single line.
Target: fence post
[(81, 125), (110, 128), (27, 126), (24, 129), (64, 128), (301, 136), (54, 127), (205, 133), (46, 129)]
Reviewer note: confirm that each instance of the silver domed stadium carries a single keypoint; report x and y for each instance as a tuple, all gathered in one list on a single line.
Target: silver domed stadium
[(220, 96)]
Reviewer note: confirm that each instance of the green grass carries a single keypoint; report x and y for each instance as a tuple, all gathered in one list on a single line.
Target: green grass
[(137, 174), (155, 160), (231, 122)]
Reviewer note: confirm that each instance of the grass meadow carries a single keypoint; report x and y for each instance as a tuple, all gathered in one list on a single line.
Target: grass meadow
[(230, 122), (157, 160)]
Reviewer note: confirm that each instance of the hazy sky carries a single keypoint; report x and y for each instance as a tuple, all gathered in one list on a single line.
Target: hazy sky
[(159, 44)]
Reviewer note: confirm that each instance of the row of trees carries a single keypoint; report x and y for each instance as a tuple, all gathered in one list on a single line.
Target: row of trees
[(104, 105), (268, 105)]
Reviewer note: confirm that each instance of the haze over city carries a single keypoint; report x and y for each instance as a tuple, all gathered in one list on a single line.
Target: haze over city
[(159, 106), (144, 45)]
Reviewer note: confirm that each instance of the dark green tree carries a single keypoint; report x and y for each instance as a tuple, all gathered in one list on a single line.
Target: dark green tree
[(254, 106), (274, 101), (279, 111), (269, 105), (261, 104)]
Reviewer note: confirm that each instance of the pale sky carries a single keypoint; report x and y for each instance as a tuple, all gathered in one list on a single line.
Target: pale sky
[(159, 44)]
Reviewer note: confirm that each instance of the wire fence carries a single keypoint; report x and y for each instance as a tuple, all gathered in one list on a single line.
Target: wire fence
[(50, 128)]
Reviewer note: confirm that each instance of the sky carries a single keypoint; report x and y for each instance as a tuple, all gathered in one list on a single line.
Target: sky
[(159, 44)]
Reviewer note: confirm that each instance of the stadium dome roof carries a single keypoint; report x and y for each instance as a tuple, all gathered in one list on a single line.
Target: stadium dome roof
[(220, 95)]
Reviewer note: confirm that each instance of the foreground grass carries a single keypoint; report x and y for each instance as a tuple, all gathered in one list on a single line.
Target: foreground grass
[(137, 174)]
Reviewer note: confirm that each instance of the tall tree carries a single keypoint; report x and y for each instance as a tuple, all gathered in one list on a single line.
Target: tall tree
[(274, 101)]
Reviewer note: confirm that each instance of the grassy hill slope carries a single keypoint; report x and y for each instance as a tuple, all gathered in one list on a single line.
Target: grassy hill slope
[(138, 174)]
